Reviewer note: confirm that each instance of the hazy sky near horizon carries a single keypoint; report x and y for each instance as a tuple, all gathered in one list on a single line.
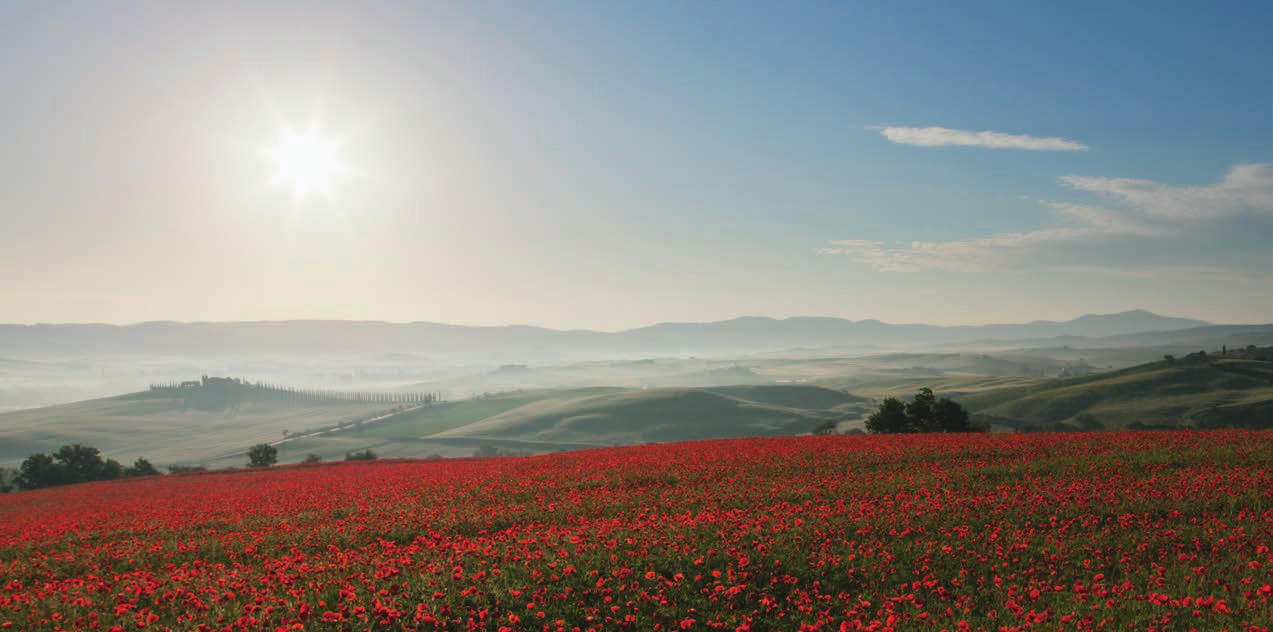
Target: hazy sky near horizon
[(608, 165)]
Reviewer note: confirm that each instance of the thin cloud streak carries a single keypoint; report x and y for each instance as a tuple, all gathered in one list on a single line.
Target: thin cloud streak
[(1244, 188), (943, 137), (1148, 210), (978, 254)]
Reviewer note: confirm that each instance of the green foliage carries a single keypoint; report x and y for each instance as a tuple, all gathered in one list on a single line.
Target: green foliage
[(312, 458), (924, 413), (6, 480), (262, 455), (73, 463), (186, 469), (827, 428), (141, 467), (891, 418), (361, 455)]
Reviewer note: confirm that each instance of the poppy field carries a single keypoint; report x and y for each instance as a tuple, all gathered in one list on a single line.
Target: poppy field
[(1139, 531)]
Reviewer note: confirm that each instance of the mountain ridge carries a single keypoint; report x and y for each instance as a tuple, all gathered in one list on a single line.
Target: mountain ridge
[(742, 334)]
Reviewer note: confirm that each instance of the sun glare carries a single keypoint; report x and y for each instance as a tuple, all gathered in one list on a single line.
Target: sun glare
[(307, 162)]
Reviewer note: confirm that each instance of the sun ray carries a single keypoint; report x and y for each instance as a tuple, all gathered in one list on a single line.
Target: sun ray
[(306, 161)]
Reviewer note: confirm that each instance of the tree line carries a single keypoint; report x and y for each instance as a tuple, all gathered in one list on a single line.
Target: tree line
[(78, 463), (73, 463), (224, 385)]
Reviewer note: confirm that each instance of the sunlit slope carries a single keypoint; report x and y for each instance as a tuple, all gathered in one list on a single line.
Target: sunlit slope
[(1184, 393), (664, 414), (166, 430), (792, 395), (439, 418)]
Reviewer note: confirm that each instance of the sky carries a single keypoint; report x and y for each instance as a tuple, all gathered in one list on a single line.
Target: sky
[(608, 165)]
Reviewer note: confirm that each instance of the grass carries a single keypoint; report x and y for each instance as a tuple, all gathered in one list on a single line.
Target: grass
[(160, 429), (451, 415), (658, 414), (1194, 393)]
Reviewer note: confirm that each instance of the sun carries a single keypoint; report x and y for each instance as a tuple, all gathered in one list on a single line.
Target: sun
[(307, 162)]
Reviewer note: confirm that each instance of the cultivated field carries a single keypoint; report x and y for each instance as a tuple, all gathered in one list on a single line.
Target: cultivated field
[(1143, 531)]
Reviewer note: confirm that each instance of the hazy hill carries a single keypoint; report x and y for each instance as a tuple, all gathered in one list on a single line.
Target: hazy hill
[(662, 414), (167, 429), (548, 420), (1197, 393), (170, 430), (749, 334)]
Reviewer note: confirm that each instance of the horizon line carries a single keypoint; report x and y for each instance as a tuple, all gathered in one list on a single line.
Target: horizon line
[(583, 329)]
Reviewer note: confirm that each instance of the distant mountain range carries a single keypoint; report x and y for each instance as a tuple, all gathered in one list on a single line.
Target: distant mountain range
[(739, 335)]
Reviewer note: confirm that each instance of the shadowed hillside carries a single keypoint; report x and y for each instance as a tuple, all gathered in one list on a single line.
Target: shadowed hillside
[(661, 415), (1195, 392)]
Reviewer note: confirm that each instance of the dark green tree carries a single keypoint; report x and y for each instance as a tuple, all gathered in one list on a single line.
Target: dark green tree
[(924, 413), (949, 416), (141, 467), (921, 411), (262, 455), (41, 470), (84, 463), (891, 418)]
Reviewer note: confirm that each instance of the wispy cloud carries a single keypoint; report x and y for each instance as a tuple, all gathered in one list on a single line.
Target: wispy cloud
[(965, 255), (942, 136), (1146, 210), (1106, 221), (1244, 188)]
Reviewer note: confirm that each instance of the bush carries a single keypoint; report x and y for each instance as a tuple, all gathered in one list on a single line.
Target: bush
[(312, 458), (361, 455), (186, 469), (141, 467), (262, 455), (73, 463)]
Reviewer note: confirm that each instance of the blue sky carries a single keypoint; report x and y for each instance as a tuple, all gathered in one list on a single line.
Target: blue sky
[(609, 165)]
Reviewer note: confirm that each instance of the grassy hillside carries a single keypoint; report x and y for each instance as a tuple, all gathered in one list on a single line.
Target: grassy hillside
[(1190, 393), (442, 417), (665, 414), (165, 429), (792, 395), (169, 430)]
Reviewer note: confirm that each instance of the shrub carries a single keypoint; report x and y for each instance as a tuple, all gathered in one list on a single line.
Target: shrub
[(262, 455), (360, 455), (141, 467)]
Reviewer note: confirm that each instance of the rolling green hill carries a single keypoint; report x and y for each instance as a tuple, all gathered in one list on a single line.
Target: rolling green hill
[(792, 395), (1197, 393), (660, 414), (450, 415), (168, 430)]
